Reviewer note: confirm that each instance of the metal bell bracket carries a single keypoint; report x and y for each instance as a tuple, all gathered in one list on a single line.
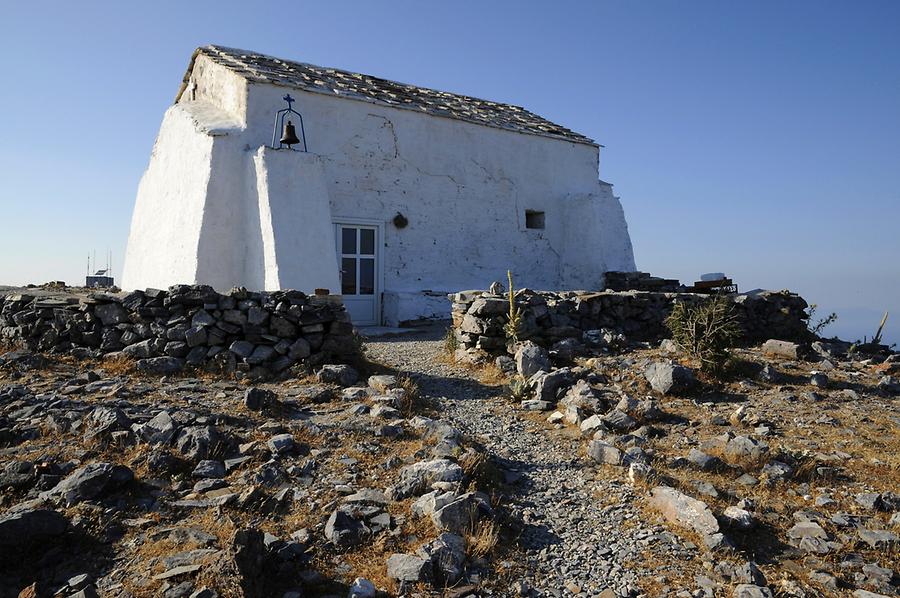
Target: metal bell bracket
[(279, 125)]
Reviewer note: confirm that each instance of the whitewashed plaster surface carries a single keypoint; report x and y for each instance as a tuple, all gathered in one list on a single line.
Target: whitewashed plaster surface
[(463, 187), (295, 222)]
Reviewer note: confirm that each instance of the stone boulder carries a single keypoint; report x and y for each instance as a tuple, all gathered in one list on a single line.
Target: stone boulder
[(281, 444), (344, 531), (408, 568), (362, 588), (447, 554), (430, 502), (667, 378), (90, 482), (197, 442), (343, 375), (102, 421), (603, 452), (584, 396), (159, 430), (531, 359), (684, 511), (591, 425), (743, 449), (259, 399), (17, 474), (209, 469), (784, 349), (111, 314), (566, 350), (160, 365), (547, 385), (299, 349), (745, 590), (619, 421), (536, 405), (29, 527), (140, 350), (415, 479), (705, 462), (489, 306), (459, 515)]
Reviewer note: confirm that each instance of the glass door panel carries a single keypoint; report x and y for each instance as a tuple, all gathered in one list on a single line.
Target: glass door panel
[(357, 256)]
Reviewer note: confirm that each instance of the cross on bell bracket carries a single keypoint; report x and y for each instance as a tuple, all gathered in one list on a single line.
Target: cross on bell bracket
[(288, 131)]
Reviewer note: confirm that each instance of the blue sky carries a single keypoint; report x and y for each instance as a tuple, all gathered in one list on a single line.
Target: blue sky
[(757, 138)]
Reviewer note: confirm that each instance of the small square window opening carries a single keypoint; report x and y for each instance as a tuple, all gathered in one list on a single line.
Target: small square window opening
[(534, 219)]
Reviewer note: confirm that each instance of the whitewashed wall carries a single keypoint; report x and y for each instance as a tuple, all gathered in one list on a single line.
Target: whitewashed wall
[(463, 187), (173, 206), (295, 222)]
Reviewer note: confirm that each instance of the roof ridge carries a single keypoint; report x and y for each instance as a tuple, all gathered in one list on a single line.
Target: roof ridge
[(263, 68), (218, 48)]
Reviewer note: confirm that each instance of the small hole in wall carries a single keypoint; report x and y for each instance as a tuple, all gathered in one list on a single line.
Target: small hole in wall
[(534, 219), (400, 221)]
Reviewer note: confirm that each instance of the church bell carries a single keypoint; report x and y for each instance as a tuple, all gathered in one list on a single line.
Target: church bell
[(288, 132), (289, 135)]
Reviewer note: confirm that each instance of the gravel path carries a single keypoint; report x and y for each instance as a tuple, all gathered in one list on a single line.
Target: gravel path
[(576, 535)]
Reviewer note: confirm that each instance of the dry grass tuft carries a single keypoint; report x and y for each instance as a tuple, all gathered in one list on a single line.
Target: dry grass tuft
[(121, 365), (307, 435), (480, 470), (7, 345), (451, 344), (491, 375), (487, 372), (300, 516), (370, 562), (155, 551), (483, 538), (412, 396), (308, 378), (471, 462)]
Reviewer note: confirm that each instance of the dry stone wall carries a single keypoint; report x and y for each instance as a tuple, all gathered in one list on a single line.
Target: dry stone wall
[(548, 317), (259, 332)]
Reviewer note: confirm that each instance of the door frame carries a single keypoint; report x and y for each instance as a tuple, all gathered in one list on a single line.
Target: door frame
[(378, 225)]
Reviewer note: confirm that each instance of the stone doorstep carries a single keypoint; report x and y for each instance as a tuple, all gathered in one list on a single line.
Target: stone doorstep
[(384, 331)]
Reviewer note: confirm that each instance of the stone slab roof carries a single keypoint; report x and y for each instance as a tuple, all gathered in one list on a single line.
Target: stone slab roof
[(259, 68)]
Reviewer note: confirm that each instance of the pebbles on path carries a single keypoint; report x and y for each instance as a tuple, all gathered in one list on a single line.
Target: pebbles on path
[(572, 535)]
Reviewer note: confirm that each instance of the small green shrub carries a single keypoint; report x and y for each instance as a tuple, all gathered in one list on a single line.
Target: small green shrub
[(359, 343), (706, 331), (451, 343), (514, 322), (518, 388), (816, 327)]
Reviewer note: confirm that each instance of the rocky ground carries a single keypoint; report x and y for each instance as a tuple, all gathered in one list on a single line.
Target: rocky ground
[(349, 481), (779, 478), (571, 531), (612, 472)]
